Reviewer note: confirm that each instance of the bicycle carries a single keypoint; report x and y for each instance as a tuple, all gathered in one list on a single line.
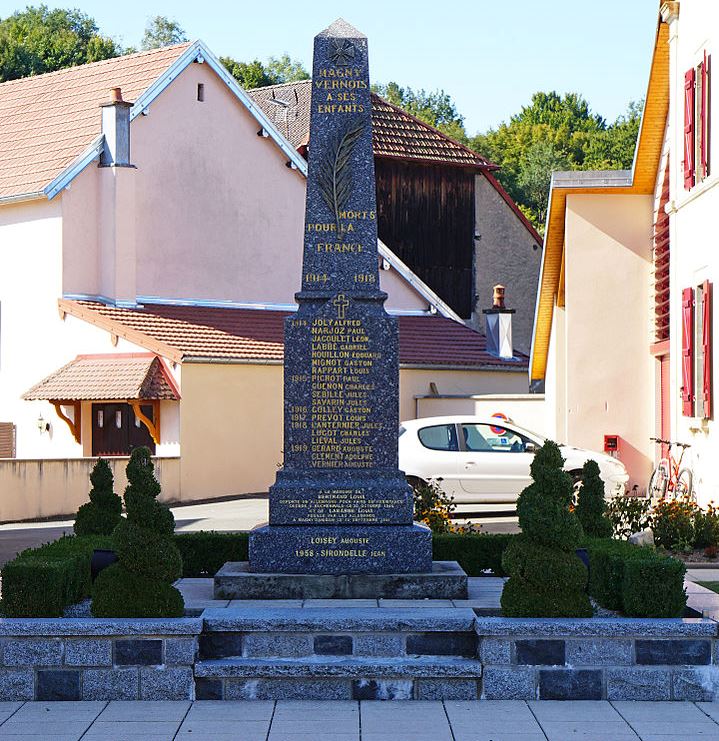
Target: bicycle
[(669, 480)]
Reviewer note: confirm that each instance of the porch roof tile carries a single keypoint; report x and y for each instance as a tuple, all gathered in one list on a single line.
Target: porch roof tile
[(121, 376)]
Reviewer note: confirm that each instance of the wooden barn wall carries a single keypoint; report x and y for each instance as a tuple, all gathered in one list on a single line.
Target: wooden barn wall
[(426, 217)]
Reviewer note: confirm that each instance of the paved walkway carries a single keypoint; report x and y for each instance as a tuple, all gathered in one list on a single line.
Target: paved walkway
[(510, 720)]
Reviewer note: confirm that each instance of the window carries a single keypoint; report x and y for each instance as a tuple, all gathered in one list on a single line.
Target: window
[(439, 437), (697, 381), (697, 122), (490, 439), (7, 440)]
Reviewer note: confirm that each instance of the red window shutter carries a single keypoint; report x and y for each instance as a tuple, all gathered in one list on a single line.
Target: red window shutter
[(688, 352), (689, 79), (707, 112), (707, 348)]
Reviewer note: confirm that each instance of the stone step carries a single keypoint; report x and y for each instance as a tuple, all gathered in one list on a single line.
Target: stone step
[(334, 619), (340, 666), (339, 678)]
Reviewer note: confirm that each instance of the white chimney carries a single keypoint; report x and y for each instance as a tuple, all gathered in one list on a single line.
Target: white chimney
[(116, 128), (498, 326)]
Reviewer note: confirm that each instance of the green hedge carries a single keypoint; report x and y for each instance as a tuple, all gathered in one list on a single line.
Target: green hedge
[(475, 553), (638, 582), (203, 553), (42, 582)]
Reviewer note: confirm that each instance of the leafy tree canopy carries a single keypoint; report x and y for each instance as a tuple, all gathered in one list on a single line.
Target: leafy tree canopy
[(162, 31), (38, 40), (555, 133), (275, 71), (435, 108)]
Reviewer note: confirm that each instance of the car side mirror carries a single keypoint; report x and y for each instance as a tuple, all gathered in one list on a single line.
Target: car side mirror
[(530, 448)]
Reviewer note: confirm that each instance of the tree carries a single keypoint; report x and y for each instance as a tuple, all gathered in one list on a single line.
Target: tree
[(162, 31), (38, 40), (546, 577), (102, 514), (555, 132), (435, 108), (140, 583), (256, 74)]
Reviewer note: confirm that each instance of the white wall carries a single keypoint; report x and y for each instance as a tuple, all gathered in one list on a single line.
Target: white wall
[(693, 223)]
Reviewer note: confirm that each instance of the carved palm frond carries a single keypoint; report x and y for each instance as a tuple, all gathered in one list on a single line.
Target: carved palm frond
[(334, 176)]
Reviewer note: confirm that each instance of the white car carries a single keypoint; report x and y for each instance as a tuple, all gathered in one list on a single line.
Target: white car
[(484, 462)]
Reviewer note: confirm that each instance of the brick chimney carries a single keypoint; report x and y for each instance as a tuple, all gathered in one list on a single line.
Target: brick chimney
[(116, 128), (498, 326)]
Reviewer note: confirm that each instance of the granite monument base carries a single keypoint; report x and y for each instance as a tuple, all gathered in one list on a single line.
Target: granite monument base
[(341, 549), (444, 580)]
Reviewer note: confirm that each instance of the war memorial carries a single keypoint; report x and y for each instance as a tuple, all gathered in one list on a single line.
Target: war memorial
[(341, 510)]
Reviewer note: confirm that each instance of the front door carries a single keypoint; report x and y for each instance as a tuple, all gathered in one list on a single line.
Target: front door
[(117, 431)]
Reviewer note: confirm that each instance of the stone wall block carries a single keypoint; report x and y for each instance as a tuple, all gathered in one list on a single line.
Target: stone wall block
[(327, 645), (570, 684), (88, 652), (600, 652), (638, 684), (447, 689), (33, 652), (208, 689), (696, 684), (517, 683), (379, 644), (16, 684), (540, 652), (277, 644), (442, 644), (177, 683), (111, 684), (180, 651), (220, 645), (138, 652), (495, 651), (57, 684), (673, 652), (288, 689), (382, 689)]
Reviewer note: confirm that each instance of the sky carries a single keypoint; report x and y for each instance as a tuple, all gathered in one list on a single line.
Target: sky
[(489, 56)]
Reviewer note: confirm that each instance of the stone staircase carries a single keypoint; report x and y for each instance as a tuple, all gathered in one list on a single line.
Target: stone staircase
[(338, 654)]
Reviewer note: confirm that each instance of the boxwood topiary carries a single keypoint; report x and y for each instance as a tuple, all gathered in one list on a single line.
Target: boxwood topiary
[(102, 514), (140, 583), (591, 506), (546, 578)]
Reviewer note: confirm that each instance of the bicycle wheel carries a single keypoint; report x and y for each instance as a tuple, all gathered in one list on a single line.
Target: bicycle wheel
[(685, 485), (657, 488)]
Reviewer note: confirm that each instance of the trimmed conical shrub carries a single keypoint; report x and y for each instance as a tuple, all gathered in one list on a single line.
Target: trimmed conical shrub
[(546, 578), (591, 505), (140, 583), (101, 515)]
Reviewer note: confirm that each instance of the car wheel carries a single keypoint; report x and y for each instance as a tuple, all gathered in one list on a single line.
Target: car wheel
[(576, 485), (415, 482)]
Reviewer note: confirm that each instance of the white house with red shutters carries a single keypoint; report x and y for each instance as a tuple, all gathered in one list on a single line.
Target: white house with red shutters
[(623, 337)]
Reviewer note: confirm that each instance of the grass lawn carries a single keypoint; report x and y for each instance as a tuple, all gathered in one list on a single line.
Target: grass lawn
[(713, 585)]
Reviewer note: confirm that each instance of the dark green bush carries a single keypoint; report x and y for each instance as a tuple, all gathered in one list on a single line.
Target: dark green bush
[(101, 514), (706, 527), (638, 582), (475, 553), (546, 578), (140, 584), (591, 506), (654, 587), (122, 593), (203, 553), (42, 582)]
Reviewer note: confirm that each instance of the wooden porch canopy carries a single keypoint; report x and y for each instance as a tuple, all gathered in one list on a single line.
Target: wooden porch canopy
[(134, 378)]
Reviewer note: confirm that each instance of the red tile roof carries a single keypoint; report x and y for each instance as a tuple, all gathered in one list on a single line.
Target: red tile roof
[(121, 376), (47, 121), (395, 133), (182, 333)]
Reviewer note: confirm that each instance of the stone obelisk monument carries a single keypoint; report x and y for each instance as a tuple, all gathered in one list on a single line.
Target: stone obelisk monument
[(340, 505)]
